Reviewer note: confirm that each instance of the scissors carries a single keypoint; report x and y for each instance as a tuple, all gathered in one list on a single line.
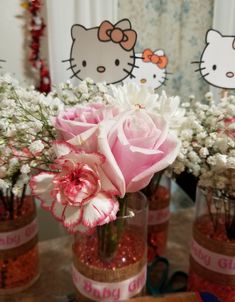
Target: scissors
[(158, 282)]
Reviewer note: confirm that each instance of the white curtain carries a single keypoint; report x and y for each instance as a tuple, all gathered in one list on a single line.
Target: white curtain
[(178, 27), (61, 15), (224, 22)]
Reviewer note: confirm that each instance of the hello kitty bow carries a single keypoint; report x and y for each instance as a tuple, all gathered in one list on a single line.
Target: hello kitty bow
[(150, 56), (125, 37)]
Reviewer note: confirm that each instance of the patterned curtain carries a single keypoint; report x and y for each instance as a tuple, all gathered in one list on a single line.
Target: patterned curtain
[(178, 27)]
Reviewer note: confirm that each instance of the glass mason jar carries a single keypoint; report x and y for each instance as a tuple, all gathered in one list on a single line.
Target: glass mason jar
[(159, 194), (110, 263), (19, 258), (212, 256)]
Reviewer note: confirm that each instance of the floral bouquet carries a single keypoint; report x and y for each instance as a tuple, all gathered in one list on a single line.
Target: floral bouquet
[(208, 152), (103, 150), (24, 117), (208, 149), (106, 150), (208, 146), (115, 138), (85, 149)]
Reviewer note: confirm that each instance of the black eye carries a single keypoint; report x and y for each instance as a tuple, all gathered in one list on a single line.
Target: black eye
[(117, 62), (84, 63), (154, 76), (214, 67)]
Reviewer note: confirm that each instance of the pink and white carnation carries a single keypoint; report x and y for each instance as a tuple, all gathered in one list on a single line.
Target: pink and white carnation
[(78, 193)]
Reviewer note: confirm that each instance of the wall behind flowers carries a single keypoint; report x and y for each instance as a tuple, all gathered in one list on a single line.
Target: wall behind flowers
[(177, 26)]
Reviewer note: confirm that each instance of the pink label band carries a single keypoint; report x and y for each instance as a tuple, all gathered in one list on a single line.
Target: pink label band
[(158, 216), (109, 292), (213, 261), (16, 238)]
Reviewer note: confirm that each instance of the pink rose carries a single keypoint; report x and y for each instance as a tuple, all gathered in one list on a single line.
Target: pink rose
[(79, 195), (136, 145), (79, 125)]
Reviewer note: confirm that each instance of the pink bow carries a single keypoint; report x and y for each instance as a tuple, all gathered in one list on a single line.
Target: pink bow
[(125, 37), (149, 56)]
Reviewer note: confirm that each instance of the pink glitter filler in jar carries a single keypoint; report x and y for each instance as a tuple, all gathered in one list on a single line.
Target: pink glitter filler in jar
[(158, 217), (212, 259), (110, 263), (19, 255)]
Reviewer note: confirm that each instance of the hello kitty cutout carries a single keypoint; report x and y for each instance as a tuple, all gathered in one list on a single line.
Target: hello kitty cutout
[(217, 62), (104, 53), (150, 68)]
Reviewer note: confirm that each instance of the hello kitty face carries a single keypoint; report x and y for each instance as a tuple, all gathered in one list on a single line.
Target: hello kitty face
[(104, 53), (217, 63), (150, 69)]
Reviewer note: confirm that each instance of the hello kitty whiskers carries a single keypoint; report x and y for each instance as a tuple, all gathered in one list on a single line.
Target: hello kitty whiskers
[(67, 60), (136, 57), (205, 75), (129, 73), (75, 73), (200, 69), (72, 66), (135, 66), (197, 62)]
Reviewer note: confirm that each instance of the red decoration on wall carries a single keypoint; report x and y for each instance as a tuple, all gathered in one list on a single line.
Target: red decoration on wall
[(36, 29)]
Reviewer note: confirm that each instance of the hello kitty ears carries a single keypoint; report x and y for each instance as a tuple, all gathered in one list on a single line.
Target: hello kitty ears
[(76, 30), (214, 35)]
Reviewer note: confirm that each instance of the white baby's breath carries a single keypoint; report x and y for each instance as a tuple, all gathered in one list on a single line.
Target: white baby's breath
[(207, 134), (36, 146)]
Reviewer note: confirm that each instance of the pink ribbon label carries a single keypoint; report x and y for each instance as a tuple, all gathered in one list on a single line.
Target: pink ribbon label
[(213, 261), (158, 216), (16, 238), (109, 292)]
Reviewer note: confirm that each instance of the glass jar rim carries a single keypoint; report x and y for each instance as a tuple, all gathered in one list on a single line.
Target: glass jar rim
[(132, 213)]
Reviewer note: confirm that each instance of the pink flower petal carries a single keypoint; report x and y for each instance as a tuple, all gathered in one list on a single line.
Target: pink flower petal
[(70, 128), (41, 186), (71, 216), (87, 140), (112, 215), (162, 124), (110, 166), (90, 159), (169, 150), (98, 210), (62, 148), (138, 129), (133, 160), (106, 184), (57, 210)]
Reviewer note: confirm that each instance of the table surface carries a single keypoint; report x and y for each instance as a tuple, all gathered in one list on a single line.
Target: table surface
[(56, 256)]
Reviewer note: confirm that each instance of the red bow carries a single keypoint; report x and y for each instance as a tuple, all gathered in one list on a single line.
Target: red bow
[(108, 32), (149, 56)]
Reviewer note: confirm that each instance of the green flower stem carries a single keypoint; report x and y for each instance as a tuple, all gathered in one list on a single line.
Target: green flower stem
[(109, 234)]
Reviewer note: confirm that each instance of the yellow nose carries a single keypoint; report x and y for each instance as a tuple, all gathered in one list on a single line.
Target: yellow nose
[(142, 81)]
